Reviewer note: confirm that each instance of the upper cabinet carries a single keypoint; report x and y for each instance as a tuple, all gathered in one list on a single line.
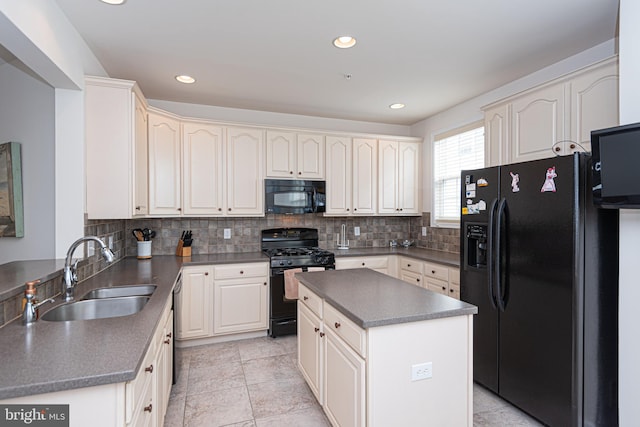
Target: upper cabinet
[(399, 178), (554, 119), (165, 178), (245, 192), (338, 156), (203, 169), (294, 155), (116, 140)]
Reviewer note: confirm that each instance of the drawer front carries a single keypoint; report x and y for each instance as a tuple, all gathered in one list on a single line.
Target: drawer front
[(438, 286), (238, 271), (409, 264), (454, 290), (454, 276), (351, 333), (367, 262), (436, 271), (309, 299), (411, 277), (134, 390), (143, 411)]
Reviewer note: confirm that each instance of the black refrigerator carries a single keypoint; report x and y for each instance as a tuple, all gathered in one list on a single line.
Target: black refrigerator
[(541, 264)]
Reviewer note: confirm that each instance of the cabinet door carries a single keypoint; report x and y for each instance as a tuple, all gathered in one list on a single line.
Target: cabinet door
[(240, 305), (310, 158), (496, 131), (538, 123), (338, 156), (365, 177), (594, 104), (141, 184), (388, 177), (203, 169), (244, 172), (409, 178), (195, 303), (281, 154), (164, 166), (310, 349), (344, 373)]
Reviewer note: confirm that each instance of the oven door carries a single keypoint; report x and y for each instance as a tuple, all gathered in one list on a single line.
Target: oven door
[(281, 308)]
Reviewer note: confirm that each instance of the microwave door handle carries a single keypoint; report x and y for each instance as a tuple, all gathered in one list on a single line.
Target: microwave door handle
[(314, 205)]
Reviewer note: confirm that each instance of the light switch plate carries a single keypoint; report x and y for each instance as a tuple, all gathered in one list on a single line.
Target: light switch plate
[(424, 231), (356, 231), (227, 233)]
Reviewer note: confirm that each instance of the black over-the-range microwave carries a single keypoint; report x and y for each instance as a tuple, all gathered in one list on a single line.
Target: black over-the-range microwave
[(286, 196)]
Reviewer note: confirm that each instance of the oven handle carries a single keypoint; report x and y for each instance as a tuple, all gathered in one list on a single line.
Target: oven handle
[(279, 271)]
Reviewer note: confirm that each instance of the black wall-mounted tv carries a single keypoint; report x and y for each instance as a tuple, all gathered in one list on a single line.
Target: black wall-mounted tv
[(616, 167)]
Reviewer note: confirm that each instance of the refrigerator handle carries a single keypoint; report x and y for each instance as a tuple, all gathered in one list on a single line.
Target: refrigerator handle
[(498, 289), (490, 252)]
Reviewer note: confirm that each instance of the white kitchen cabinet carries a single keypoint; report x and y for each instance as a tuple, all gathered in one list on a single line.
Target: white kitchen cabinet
[(365, 176), (294, 155), (195, 303), (240, 298), (164, 362), (377, 263), (553, 119), (245, 192), (410, 271), (311, 349), (165, 180), (115, 140), (399, 178), (338, 182), (203, 169)]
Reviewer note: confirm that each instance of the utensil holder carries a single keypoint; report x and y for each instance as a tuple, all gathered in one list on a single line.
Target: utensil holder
[(182, 250), (144, 249)]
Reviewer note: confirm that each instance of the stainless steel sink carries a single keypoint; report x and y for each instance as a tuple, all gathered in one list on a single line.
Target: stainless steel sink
[(96, 309), (120, 291)]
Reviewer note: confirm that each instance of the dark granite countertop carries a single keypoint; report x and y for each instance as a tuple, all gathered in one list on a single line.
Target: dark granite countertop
[(52, 356), (440, 257), (372, 299)]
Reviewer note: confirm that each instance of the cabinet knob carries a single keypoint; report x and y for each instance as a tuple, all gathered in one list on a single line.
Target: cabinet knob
[(179, 209), (219, 209), (241, 272), (169, 335), (229, 209), (206, 273), (265, 283), (299, 173), (451, 290), (167, 341), (321, 334), (444, 288), (290, 172), (557, 149), (137, 208), (316, 329), (363, 263), (433, 272), (408, 265), (305, 298), (149, 369), (347, 209), (400, 209), (572, 146), (417, 279), (354, 209), (337, 325), (148, 408)]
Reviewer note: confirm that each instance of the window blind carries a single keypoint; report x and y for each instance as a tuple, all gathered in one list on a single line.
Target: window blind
[(454, 151)]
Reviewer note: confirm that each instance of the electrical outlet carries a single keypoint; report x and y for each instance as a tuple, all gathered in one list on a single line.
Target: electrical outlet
[(424, 231), (111, 242), (91, 250), (227, 233), (356, 231), (421, 371)]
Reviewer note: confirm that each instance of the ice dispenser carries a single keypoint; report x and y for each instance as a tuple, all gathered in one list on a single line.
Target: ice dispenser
[(476, 245)]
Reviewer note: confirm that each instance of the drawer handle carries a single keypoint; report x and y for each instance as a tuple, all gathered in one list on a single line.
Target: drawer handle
[(572, 146), (316, 329), (167, 341), (148, 408), (305, 297), (169, 335), (321, 334), (149, 369), (557, 149), (337, 325)]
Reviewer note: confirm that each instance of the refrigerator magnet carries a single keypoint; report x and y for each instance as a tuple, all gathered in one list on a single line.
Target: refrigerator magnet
[(549, 183), (515, 179), (482, 182), (470, 194), (482, 205)]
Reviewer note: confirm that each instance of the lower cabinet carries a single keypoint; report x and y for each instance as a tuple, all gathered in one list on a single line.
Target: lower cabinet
[(222, 299), (377, 263), (434, 277), (311, 336)]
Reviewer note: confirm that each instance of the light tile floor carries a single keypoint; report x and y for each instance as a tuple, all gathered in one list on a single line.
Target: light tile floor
[(256, 383)]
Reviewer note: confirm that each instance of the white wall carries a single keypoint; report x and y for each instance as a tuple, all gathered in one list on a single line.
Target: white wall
[(26, 116), (629, 284), (471, 110), (265, 118)]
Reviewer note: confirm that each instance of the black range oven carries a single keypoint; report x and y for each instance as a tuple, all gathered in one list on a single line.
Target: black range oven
[(290, 248)]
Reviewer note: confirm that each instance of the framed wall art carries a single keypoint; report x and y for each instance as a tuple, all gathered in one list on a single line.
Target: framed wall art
[(11, 206)]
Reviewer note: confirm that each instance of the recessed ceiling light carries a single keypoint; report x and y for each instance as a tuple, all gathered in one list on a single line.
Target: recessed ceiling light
[(344, 42), (185, 79), (396, 106), (113, 1)]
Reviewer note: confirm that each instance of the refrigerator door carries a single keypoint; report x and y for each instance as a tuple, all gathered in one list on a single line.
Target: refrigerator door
[(477, 196), (539, 235)]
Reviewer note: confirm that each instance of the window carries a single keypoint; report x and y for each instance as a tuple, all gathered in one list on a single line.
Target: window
[(459, 149)]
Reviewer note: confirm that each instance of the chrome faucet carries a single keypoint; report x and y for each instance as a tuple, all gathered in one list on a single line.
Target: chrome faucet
[(71, 272)]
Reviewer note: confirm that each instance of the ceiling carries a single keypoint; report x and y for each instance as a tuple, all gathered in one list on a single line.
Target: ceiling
[(277, 55)]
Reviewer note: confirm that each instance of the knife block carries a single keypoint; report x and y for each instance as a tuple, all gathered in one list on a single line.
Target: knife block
[(183, 250)]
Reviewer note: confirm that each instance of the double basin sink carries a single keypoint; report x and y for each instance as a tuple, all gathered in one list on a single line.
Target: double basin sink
[(103, 303)]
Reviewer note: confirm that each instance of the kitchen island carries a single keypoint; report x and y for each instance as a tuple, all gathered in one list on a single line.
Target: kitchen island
[(377, 351)]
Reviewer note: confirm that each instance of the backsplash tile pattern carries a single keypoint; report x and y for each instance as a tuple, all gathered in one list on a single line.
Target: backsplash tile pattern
[(208, 233), (437, 238)]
